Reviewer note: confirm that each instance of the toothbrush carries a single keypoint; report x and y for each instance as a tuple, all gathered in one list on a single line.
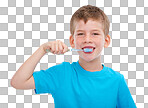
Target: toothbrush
[(85, 50)]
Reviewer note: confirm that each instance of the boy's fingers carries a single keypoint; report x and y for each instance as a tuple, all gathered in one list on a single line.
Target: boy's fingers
[(65, 48), (53, 46), (57, 45), (60, 48)]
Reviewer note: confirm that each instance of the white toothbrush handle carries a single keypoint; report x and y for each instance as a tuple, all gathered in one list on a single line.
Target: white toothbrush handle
[(76, 50), (48, 50)]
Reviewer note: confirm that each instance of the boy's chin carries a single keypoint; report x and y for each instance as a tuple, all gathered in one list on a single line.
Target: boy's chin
[(88, 59)]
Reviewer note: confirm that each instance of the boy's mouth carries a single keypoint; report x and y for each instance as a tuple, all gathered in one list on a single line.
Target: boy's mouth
[(89, 47)]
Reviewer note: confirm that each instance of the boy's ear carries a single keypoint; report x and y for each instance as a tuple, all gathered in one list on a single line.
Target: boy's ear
[(71, 40), (107, 41)]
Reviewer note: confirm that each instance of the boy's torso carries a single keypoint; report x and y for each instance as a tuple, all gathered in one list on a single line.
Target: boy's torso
[(78, 90)]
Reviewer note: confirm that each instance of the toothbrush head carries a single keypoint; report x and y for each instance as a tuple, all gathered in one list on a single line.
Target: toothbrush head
[(88, 50)]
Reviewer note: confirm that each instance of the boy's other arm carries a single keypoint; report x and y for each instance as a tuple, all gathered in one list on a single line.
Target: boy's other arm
[(23, 78)]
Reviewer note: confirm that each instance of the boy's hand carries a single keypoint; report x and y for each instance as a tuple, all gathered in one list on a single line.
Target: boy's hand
[(56, 47)]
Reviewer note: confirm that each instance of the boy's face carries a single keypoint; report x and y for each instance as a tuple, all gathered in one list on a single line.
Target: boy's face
[(89, 34)]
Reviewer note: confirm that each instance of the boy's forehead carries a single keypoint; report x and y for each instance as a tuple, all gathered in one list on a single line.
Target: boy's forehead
[(95, 29), (88, 21), (92, 25)]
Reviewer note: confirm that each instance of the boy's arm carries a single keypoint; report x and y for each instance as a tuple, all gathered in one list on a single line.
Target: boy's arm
[(125, 99), (23, 78)]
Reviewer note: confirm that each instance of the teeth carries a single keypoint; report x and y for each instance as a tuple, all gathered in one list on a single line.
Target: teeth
[(90, 48)]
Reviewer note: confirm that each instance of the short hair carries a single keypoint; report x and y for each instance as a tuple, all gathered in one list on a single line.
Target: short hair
[(89, 12)]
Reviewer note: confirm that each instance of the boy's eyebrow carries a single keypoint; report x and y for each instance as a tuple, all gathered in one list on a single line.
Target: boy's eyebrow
[(91, 30)]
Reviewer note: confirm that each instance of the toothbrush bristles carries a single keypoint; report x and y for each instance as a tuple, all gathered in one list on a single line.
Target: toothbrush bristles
[(87, 50)]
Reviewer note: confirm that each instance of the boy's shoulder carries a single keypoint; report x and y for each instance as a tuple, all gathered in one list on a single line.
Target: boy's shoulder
[(114, 73), (61, 65), (64, 63)]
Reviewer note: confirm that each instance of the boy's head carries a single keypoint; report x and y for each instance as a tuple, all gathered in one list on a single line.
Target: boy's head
[(90, 12), (89, 27)]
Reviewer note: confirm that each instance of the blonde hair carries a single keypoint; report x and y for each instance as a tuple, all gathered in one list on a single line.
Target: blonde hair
[(89, 12)]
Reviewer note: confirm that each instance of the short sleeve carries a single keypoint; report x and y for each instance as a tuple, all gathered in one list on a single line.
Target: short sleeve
[(124, 99), (47, 81)]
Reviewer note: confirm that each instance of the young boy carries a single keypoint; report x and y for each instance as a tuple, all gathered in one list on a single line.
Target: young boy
[(83, 84)]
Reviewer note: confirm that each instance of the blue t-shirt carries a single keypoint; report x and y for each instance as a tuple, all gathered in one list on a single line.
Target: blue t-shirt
[(72, 86)]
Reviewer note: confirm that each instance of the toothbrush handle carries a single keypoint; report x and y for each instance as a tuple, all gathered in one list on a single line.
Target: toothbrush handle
[(48, 50)]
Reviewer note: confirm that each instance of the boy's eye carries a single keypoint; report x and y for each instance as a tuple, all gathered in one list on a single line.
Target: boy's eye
[(95, 33), (80, 34)]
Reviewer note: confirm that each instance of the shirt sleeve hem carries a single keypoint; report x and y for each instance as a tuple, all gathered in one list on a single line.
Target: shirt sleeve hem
[(35, 81)]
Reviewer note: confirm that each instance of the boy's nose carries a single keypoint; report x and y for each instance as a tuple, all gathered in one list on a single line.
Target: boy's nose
[(87, 38)]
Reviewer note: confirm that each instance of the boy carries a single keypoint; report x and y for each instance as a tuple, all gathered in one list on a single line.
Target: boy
[(83, 84)]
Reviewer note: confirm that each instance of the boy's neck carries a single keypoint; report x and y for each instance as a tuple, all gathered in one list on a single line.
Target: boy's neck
[(91, 66)]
